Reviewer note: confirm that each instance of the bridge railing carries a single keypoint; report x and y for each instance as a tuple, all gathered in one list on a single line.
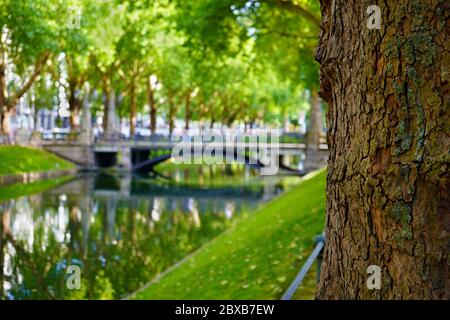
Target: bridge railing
[(61, 134)]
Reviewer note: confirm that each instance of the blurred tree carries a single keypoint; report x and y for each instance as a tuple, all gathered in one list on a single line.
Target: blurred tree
[(283, 35), (30, 30), (147, 32), (105, 22)]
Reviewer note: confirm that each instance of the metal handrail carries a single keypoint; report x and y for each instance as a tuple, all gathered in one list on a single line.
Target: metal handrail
[(317, 253)]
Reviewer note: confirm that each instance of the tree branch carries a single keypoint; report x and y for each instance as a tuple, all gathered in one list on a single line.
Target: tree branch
[(38, 66), (287, 34), (289, 5)]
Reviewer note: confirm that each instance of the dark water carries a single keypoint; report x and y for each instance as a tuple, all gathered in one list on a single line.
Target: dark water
[(120, 231)]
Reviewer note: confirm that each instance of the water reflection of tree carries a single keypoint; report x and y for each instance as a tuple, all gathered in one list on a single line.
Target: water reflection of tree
[(119, 247), (148, 247), (30, 267), (4, 210)]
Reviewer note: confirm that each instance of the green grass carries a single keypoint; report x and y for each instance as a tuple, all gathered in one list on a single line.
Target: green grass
[(20, 189), (258, 257), (16, 160)]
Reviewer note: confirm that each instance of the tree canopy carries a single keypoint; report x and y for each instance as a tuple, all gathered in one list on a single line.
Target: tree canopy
[(188, 59)]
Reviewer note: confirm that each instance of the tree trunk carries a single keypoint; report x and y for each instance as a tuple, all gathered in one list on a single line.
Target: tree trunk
[(172, 113), (8, 103), (388, 185), (5, 121), (133, 109), (5, 113), (212, 117), (106, 102), (111, 131), (152, 104), (86, 126), (74, 105), (3, 91), (313, 159), (74, 120), (234, 115), (187, 115)]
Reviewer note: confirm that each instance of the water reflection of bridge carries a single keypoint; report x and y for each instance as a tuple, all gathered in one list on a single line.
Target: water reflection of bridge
[(129, 188), (149, 197)]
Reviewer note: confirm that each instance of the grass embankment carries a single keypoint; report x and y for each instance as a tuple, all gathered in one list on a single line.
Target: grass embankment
[(17, 160), (258, 257), (21, 160)]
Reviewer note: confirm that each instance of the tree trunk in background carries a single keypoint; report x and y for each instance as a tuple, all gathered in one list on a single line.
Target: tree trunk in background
[(106, 103), (111, 123), (133, 109), (4, 113), (187, 116), (5, 110), (152, 104), (212, 118), (172, 113), (74, 120), (85, 136), (5, 121), (74, 105), (8, 104), (388, 186), (313, 158)]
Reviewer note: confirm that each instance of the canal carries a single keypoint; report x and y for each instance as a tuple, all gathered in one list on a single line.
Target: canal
[(121, 230)]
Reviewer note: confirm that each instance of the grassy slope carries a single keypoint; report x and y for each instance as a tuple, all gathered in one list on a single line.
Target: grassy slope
[(15, 160), (258, 257)]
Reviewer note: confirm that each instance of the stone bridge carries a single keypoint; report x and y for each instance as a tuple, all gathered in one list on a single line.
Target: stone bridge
[(143, 155)]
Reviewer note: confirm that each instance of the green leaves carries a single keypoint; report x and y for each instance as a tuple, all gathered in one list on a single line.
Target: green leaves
[(32, 27), (246, 60), (274, 41)]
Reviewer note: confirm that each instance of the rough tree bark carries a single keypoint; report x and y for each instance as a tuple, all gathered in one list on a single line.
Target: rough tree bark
[(388, 189)]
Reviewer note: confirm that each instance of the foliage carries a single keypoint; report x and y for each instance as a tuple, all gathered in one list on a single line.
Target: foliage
[(253, 59)]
